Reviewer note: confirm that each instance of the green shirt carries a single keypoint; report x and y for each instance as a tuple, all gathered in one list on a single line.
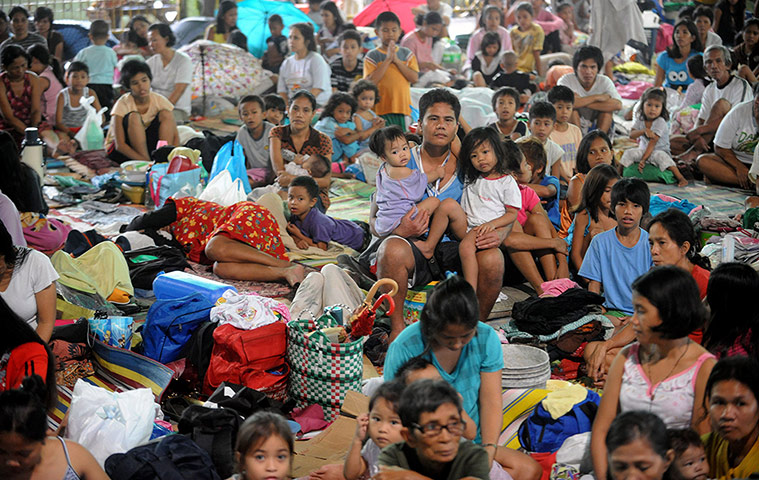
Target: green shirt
[(470, 461)]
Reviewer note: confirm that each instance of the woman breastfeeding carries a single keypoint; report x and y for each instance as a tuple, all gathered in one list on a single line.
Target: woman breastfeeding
[(466, 353), (293, 142), (664, 372)]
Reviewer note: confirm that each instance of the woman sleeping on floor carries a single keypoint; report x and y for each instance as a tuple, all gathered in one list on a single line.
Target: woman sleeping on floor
[(241, 241)]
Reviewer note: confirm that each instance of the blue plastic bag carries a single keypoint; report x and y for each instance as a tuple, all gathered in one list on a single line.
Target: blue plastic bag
[(231, 157), (163, 185)]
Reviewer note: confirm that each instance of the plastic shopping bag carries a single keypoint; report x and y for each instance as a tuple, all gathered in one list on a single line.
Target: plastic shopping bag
[(90, 136), (222, 190), (109, 422), (164, 185), (231, 158)]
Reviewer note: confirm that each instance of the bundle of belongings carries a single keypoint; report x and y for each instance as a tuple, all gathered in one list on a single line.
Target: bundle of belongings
[(563, 323)]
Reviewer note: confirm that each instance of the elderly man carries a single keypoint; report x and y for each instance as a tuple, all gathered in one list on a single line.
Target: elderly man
[(734, 146), (400, 259), (596, 98), (719, 97)]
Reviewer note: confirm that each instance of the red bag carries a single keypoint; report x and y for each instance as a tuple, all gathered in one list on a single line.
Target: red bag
[(253, 358)]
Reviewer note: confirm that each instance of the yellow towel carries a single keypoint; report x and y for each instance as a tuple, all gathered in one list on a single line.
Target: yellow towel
[(561, 401)]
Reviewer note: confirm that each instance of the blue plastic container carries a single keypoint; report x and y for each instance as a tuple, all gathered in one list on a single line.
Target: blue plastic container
[(180, 284)]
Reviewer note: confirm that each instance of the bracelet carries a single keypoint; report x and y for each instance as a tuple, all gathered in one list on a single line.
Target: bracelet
[(490, 445)]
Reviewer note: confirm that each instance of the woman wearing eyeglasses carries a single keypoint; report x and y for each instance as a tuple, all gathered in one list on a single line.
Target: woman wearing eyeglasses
[(430, 412)]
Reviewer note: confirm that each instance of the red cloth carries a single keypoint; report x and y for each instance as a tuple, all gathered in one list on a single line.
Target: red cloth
[(546, 460), (25, 360), (198, 221), (701, 276)]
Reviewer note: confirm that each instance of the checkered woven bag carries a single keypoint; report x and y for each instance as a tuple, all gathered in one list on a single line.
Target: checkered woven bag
[(322, 371)]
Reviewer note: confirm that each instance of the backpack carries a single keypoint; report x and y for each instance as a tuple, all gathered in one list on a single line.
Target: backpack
[(541, 433), (174, 457), (249, 357), (215, 431), (146, 263), (171, 323)]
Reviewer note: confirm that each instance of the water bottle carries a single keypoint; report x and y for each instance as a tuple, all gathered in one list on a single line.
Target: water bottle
[(33, 152), (451, 56)]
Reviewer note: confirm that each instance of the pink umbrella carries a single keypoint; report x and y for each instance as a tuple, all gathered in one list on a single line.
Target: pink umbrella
[(402, 8)]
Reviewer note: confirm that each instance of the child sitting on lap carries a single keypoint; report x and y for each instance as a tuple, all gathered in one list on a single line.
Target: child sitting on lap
[(690, 461), (374, 431), (310, 227)]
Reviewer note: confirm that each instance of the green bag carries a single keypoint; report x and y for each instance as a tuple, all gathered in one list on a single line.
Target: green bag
[(651, 173), (321, 372)]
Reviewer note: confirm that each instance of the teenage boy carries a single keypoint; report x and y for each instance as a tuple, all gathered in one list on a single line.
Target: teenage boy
[(430, 412), (275, 108), (393, 69), (348, 68), (617, 257), (276, 45), (253, 136), (596, 97), (542, 119), (565, 134), (101, 61), (310, 227)]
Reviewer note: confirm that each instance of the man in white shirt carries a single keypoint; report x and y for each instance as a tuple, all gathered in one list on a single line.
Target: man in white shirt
[(734, 145), (719, 97), (596, 98)]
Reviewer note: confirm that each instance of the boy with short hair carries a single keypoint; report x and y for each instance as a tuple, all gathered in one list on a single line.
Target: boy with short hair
[(690, 456), (511, 77), (310, 227), (276, 45), (393, 69), (101, 61), (542, 119), (506, 103), (253, 136), (617, 257), (546, 186), (348, 68), (565, 134), (426, 408), (274, 109)]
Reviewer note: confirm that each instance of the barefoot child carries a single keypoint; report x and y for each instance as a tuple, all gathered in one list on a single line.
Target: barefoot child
[(310, 227), (374, 431), (69, 113), (399, 188), (505, 105), (491, 197), (264, 449), (651, 127)]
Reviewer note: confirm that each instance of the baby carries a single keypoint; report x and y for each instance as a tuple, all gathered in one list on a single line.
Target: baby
[(690, 458)]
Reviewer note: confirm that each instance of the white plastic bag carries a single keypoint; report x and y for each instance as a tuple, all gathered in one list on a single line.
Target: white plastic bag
[(223, 190), (90, 136), (108, 422)]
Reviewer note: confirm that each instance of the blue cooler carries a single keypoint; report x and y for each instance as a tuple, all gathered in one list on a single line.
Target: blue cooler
[(180, 284)]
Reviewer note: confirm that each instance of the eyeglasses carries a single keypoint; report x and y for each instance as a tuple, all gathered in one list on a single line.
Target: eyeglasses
[(434, 429)]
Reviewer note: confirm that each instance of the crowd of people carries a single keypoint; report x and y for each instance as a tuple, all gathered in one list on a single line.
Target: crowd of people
[(537, 195)]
